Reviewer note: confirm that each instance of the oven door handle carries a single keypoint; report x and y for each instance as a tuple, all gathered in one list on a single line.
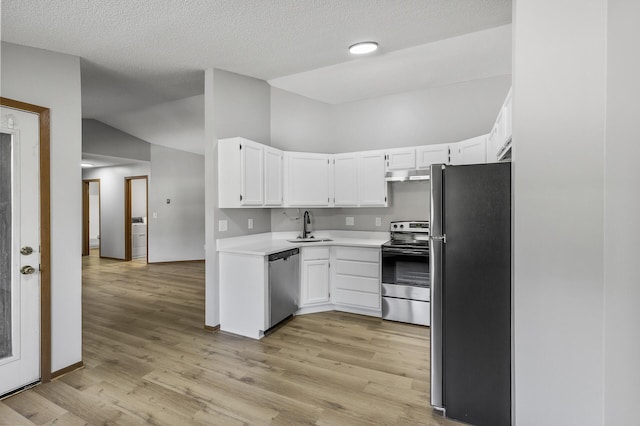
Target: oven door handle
[(404, 251)]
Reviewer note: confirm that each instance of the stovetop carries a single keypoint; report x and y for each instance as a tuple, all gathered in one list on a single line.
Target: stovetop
[(409, 235)]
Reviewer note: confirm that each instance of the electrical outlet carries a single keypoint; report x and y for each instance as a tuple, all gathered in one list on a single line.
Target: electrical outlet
[(155, 215), (350, 221), (250, 223), (222, 225), (378, 221)]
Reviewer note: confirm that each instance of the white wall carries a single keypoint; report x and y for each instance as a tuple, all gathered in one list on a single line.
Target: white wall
[(437, 115), (299, 123), (102, 139), (178, 233), (52, 80), (177, 124), (558, 184), (112, 204), (407, 201), (622, 210)]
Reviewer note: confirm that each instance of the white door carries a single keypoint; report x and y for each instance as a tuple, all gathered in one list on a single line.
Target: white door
[(372, 187), (345, 180), (252, 175), (19, 232), (273, 177)]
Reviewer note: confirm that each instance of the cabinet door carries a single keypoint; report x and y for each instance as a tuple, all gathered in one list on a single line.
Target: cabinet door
[(345, 180), (401, 159), (251, 167), (315, 282), (372, 186), (432, 154), (471, 151), (273, 177), (493, 144), (508, 118), (307, 179)]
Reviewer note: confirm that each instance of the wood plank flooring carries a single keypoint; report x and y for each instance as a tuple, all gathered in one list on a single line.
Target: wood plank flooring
[(148, 360)]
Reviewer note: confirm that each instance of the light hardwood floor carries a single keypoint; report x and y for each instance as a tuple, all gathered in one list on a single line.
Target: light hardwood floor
[(149, 360)]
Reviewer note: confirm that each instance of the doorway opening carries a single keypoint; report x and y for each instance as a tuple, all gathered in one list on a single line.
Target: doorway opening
[(90, 216), (136, 235)]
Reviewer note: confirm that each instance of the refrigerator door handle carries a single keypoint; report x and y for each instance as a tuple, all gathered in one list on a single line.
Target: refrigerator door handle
[(436, 241), (442, 238)]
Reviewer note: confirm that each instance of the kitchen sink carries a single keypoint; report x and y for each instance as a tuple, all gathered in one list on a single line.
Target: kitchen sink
[(310, 240)]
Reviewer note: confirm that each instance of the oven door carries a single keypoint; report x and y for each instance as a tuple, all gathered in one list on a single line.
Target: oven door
[(405, 285), (405, 266)]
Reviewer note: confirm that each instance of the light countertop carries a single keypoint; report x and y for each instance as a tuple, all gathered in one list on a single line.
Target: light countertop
[(274, 242)]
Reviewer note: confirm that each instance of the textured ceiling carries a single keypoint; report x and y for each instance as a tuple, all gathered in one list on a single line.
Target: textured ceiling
[(136, 54)]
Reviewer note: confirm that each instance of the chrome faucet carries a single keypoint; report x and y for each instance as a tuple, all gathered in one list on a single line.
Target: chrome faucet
[(306, 220)]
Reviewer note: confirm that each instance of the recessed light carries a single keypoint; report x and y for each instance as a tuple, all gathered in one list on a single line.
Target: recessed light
[(84, 165), (363, 47)]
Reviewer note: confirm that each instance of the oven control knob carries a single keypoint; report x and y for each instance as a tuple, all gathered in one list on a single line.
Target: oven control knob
[(401, 226), (395, 226)]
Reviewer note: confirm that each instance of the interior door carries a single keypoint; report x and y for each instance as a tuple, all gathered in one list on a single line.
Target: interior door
[(19, 250)]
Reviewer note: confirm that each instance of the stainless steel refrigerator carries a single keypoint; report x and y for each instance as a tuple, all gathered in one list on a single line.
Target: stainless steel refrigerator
[(471, 292)]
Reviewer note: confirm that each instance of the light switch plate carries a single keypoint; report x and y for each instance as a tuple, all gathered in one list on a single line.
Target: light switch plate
[(350, 221), (155, 215), (378, 221), (250, 223), (222, 225)]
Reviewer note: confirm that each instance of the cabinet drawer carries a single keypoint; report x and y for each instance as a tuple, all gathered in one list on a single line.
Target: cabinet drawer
[(356, 298), (361, 254), (363, 269), (367, 285), (315, 253)]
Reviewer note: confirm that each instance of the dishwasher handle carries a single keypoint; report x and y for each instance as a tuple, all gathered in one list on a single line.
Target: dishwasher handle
[(284, 254)]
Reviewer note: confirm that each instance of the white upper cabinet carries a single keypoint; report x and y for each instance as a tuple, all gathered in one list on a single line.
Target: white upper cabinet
[(307, 179), (273, 179), (372, 186), (240, 173), (432, 154), (470, 151), (401, 159), (499, 141), (345, 180), (252, 173)]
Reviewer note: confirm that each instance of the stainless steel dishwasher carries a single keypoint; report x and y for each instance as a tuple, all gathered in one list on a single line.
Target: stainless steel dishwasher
[(284, 285)]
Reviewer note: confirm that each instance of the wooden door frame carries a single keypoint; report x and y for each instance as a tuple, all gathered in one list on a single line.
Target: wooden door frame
[(44, 125), (128, 255), (86, 211)]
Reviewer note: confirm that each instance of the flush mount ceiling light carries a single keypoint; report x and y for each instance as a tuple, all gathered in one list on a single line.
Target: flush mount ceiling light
[(84, 165), (363, 47)]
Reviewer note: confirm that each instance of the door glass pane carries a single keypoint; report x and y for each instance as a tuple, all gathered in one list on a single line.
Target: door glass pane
[(5, 245)]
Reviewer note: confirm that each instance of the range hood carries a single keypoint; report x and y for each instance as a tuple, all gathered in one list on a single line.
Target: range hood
[(405, 175)]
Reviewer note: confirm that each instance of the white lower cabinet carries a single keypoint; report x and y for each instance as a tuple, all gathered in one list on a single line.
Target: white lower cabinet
[(243, 294), (314, 277), (355, 280)]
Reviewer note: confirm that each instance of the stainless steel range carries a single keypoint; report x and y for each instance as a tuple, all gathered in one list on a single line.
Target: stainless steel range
[(405, 273)]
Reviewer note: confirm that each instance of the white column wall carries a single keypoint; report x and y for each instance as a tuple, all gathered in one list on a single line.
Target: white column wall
[(622, 210), (558, 183)]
